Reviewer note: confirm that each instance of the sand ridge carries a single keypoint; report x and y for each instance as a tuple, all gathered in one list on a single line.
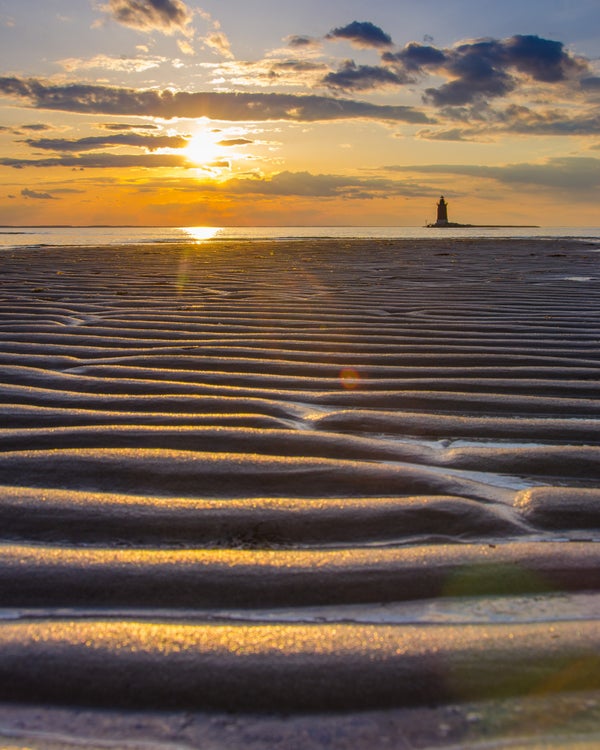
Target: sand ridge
[(194, 434)]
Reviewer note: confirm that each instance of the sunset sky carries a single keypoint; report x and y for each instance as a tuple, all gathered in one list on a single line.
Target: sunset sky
[(299, 112)]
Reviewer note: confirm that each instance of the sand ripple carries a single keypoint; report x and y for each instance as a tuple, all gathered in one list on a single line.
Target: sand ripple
[(235, 465)]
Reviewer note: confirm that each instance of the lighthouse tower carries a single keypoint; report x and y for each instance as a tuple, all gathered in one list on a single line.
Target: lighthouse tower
[(442, 212)]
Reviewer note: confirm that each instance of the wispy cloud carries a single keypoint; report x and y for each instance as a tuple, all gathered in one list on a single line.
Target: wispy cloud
[(167, 16), (282, 72), (36, 195), (218, 42), (127, 126), (572, 173), (301, 184), (301, 41), (122, 64), (36, 126), (234, 142), (517, 119), (106, 161), (91, 143)]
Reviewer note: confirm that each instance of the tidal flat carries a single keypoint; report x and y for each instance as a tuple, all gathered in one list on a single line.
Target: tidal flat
[(300, 494)]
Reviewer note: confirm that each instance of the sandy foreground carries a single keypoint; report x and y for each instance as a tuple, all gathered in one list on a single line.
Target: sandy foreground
[(309, 494)]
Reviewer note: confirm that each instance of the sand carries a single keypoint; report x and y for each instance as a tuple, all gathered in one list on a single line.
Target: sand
[(313, 494)]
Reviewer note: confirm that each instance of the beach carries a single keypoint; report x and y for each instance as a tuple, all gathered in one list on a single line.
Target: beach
[(301, 493)]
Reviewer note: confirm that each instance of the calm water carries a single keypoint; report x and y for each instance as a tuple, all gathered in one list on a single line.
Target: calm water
[(15, 237)]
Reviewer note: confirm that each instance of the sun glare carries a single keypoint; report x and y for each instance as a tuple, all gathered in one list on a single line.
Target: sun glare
[(202, 149), (201, 234)]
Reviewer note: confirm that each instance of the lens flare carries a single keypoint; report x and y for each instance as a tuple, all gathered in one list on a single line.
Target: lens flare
[(349, 378)]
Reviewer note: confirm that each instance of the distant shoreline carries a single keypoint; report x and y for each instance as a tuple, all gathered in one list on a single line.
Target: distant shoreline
[(269, 226), (453, 225)]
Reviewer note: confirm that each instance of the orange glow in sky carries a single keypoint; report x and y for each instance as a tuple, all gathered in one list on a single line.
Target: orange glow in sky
[(200, 113)]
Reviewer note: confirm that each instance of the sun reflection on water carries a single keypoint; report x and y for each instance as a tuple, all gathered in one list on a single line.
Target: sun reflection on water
[(201, 234)]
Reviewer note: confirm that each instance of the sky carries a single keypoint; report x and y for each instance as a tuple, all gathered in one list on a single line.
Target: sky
[(299, 112)]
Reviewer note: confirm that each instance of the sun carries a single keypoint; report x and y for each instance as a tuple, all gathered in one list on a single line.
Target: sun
[(202, 148)]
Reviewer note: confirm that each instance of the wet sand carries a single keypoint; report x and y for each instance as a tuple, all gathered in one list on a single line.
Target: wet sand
[(352, 482)]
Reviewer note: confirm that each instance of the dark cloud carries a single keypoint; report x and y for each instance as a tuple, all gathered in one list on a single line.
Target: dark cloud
[(298, 66), (362, 34), (469, 88), (302, 42), (450, 134), (36, 126), (415, 57), (27, 193), (475, 71), (234, 142), (486, 68), (479, 74), (234, 107), (167, 16), (353, 77), (149, 142), (127, 126), (554, 122), (542, 59), (567, 173), (106, 161)]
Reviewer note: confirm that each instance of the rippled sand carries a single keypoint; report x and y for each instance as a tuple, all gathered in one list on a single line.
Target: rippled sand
[(319, 476)]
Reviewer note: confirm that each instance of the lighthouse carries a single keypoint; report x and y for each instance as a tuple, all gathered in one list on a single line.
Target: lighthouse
[(442, 212), (442, 217), (443, 223)]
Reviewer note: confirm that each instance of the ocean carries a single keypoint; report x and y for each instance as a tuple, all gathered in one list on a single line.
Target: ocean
[(19, 237)]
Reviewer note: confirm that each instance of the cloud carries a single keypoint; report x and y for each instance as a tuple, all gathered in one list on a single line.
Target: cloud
[(167, 16), (36, 126), (487, 68), (415, 57), (450, 134), (475, 71), (542, 59), (361, 34), (353, 77), (121, 64), (234, 142), (479, 74), (519, 120), (27, 193), (297, 41), (234, 107), (149, 142), (107, 161), (567, 173), (218, 42), (296, 184), (127, 126), (287, 72), (306, 184)]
